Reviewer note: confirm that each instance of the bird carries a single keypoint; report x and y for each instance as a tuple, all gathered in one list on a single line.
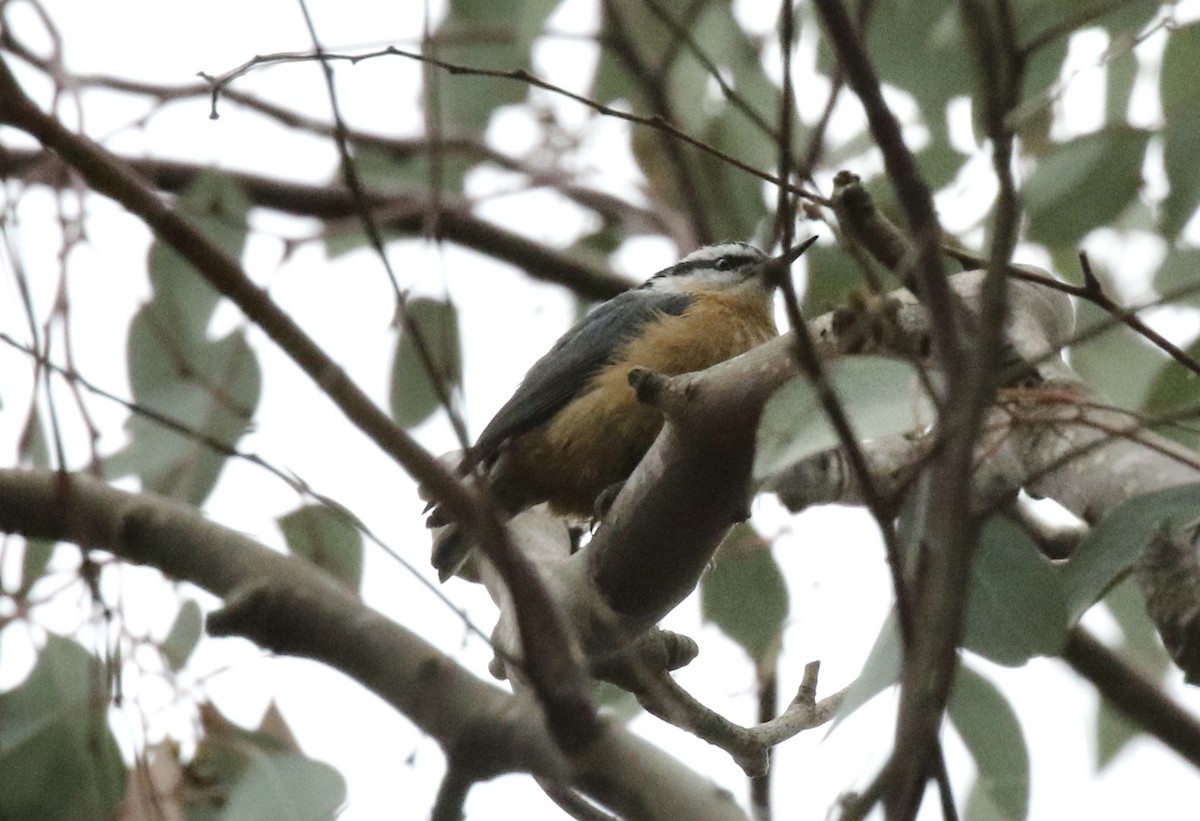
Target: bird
[(574, 430)]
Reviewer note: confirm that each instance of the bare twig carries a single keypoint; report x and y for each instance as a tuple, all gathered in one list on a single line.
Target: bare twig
[(401, 214), (784, 216), (653, 89), (684, 36), (519, 75)]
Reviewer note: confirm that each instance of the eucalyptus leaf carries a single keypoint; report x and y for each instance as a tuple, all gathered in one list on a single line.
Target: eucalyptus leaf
[(744, 594), (1116, 542), (184, 300), (285, 785), (1180, 269), (210, 387), (881, 397), (990, 729), (248, 775), (1175, 388), (931, 28), (1140, 646), (1017, 607), (413, 397), (740, 194), (482, 34), (1118, 363), (184, 634), (34, 561), (328, 540), (880, 671), (58, 757), (1181, 135), (1084, 183), (32, 448)]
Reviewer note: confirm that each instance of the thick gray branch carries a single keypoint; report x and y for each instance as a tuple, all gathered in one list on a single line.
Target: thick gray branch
[(289, 606)]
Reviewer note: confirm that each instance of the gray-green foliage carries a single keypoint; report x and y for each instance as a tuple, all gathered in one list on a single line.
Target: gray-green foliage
[(745, 595), (208, 386), (418, 389), (327, 539), (58, 756)]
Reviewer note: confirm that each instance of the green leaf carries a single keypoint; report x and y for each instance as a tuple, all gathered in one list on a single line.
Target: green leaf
[(990, 729), (384, 172), (1116, 542), (744, 594), (184, 634), (285, 785), (1121, 72), (58, 757), (1084, 184), (327, 539), (1175, 388), (413, 397), (1139, 646), (880, 671), (1035, 17), (183, 298), (210, 387), (32, 448), (1017, 608), (1118, 363), (833, 275), (1044, 69), (1181, 135), (34, 562), (1181, 146), (939, 162), (486, 35), (740, 194), (881, 397), (980, 806), (1033, 117), (931, 28), (247, 775), (1180, 269)]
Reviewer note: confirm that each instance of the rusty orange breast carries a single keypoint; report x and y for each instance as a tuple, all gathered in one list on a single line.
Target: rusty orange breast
[(599, 438)]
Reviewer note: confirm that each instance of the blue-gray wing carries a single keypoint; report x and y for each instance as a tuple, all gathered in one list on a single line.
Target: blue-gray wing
[(559, 376)]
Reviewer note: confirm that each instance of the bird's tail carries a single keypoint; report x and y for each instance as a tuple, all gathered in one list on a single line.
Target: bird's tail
[(451, 547), (451, 553)]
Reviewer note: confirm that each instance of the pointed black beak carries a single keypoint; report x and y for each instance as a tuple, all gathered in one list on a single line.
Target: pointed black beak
[(775, 269)]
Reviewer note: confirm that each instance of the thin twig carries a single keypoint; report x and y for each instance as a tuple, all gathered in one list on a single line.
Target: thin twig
[(437, 378), (684, 36), (519, 75), (399, 213), (293, 481), (653, 88)]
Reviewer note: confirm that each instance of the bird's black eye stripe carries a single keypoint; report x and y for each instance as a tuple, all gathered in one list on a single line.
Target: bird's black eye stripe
[(723, 263)]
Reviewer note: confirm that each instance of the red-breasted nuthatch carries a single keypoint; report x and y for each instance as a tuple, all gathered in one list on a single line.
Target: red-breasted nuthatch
[(574, 428)]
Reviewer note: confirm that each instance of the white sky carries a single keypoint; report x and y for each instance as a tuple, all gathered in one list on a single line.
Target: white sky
[(833, 564)]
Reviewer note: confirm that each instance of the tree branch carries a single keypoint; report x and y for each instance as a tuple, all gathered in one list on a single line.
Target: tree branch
[(551, 662), (401, 214), (288, 606), (1135, 697)]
